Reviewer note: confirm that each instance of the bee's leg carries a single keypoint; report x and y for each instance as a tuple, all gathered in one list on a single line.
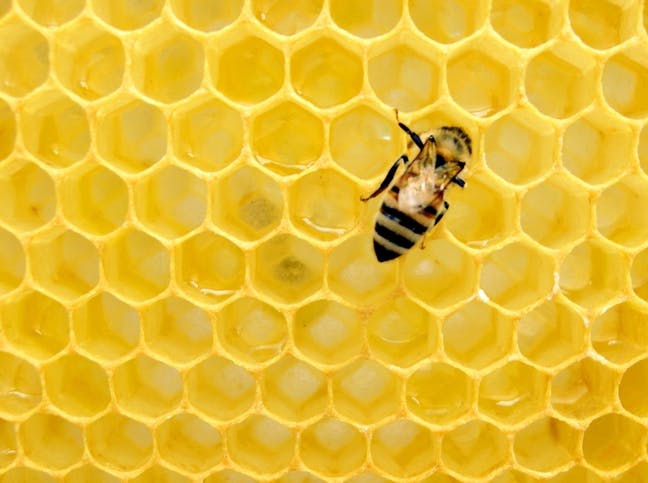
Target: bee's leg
[(442, 212), (388, 179), (459, 182), (415, 137), (423, 239)]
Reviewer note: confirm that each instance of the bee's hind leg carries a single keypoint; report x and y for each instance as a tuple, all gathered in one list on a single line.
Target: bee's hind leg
[(442, 212), (388, 179)]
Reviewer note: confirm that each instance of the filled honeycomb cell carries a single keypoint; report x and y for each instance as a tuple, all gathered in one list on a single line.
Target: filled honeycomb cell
[(20, 386), (624, 82), (366, 18), (287, 17), (50, 441), (639, 274), (526, 23), (612, 441), (298, 477), (206, 15), (12, 262), (8, 443), (619, 217), (18, 474), (546, 445), (228, 476), (642, 149), (24, 57), (577, 473), (448, 21), (88, 472), (125, 14), (50, 13), (620, 333), (157, 473), (631, 396), (7, 129)]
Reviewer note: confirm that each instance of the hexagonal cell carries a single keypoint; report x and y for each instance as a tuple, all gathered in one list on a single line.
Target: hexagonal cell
[(20, 386), (206, 15), (618, 214), (228, 476), (448, 21), (51, 441), (220, 389), (597, 147), (324, 204), (86, 473), (207, 133), (631, 393), (35, 324), (519, 147), (294, 390), (24, 58), (620, 333), (332, 447), (513, 393), (89, 60), (126, 14), (439, 393), (483, 80), (577, 474), (355, 275), (593, 274), (72, 269), (474, 450), (131, 134), (624, 82), (12, 262), (188, 443), (287, 17), (146, 387), (546, 445), (288, 268), (526, 23), (551, 334), (613, 441), (403, 449), (517, 275), (584, 389), (366, 391), (366, 18), (287, 138), (261, 444), (248, 71), (603, 24), (405, 77), (477, 335), (8, 444), (561, 81), (441, 275), (7, 129), (51, 13), (27, 196), (556, 212), (159, 474), (136, 265), (401, 332), (118, 442), (252, 331), (66, 375), (327, 332), (55, 129)]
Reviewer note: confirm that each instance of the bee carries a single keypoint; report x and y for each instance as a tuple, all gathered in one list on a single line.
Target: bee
[(414, 203)]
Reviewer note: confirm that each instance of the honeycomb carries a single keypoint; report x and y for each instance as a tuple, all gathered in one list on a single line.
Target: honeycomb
[(187, 286)]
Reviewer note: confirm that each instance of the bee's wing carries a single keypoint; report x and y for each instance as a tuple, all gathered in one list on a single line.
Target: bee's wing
[(446, 173)]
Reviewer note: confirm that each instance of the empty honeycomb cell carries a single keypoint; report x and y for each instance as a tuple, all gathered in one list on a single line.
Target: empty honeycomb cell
[(583, 389), (612, 441), (248, 71), (327, 332), (207, 133), (35, 324), (12, 262), (117, 442), (603, 24), (136, 265), (483, 80), (324, 204), (631, 389), (404, 77), (519, 147), (403, 448), (64, 379), (20, 386), (24, 57), (228, 476), (126, 14), (189, 443), (20, 474), (8, 445), (624, 82), (294, 390), (546, 445), (55, 129), (50, 441), (220, 389), (620, 333), (619, 216), (261, 444), (513, 393), (593, 274), (561, 80), (526, 23), (439, 393), (177, 330), (366, 18), (332, 447), (551, 334), (146, 387), (131, 134), (477, 335), (440, 275), (474, 450), (7, 129), (206, 15), (287, 138), (556, 212), (159, 474), (401, 332), (51, 13), (366, 391), (287, 17), (89, 60), (577, 474), (106, 328), (448, 21), (73, 267)]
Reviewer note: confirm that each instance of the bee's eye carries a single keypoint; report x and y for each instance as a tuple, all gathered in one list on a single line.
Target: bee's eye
[(440, 160)]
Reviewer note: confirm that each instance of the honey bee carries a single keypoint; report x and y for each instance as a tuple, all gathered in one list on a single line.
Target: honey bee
[(415, 201)]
